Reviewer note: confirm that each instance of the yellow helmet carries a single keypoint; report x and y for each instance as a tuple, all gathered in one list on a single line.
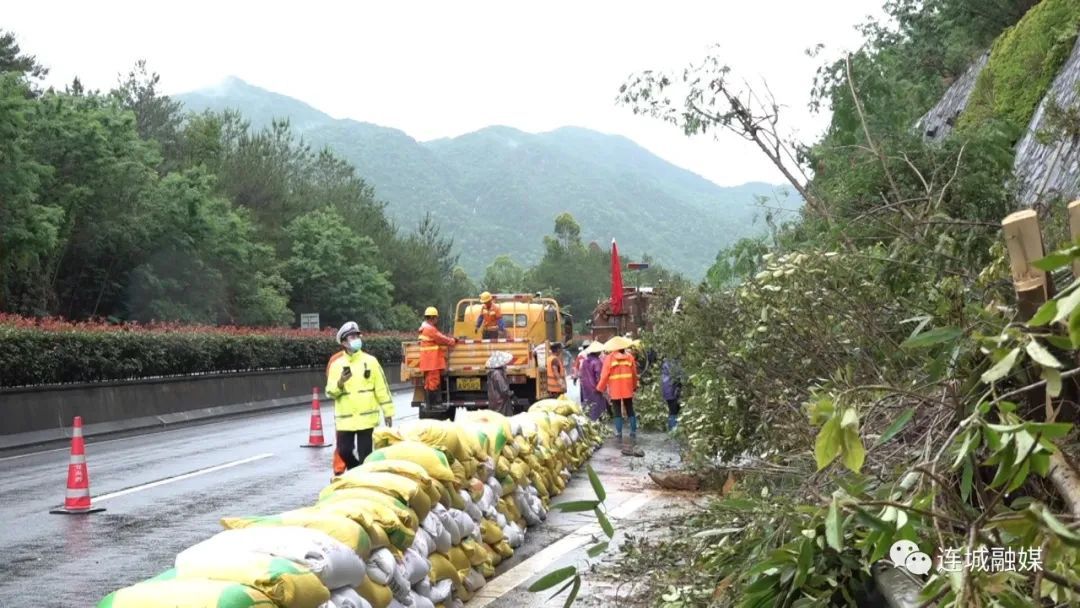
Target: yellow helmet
[(431, 311), (485, 297)]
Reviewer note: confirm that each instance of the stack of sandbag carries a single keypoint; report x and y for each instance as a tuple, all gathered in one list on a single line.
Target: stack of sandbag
[(422, 523), (284, 566)]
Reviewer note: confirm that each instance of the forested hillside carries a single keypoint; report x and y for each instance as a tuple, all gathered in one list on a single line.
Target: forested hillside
[(484, 185), (118, 205)]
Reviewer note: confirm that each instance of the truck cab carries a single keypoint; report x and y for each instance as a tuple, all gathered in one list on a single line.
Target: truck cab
[(532, 323)]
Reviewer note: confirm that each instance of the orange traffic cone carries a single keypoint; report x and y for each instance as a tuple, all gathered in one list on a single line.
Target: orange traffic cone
[(78, 482), (315, 435)]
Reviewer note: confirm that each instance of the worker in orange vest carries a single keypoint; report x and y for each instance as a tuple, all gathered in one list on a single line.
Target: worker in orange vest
[(433, 345), (620, 379), (490, 322), (556, 371)]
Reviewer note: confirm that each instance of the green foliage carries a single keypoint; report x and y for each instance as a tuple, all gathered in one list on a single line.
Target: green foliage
[(1023, 63), (333, 269), (862, 372), (736, 262), (120, 206), (503, 275), (571, 573), (42, 354)]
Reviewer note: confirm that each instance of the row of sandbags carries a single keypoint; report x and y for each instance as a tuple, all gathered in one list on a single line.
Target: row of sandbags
[(422, 523)]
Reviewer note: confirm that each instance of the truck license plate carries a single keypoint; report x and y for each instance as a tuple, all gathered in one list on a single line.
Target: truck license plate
[(468, 384)]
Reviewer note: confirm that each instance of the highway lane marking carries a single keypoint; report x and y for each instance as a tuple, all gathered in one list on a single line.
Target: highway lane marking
[(168, 480), (92, 441), (514, 577)]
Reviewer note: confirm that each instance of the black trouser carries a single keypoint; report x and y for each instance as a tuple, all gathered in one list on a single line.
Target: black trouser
[(623, 404), (348, 441), (673, 407)]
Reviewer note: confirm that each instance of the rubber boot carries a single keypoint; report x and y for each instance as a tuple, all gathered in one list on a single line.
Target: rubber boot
[(631, 449), (672, 422), (618, 427)]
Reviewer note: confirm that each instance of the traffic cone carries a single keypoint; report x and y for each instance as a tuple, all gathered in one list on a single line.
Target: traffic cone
[(315, 435), (78, 482)]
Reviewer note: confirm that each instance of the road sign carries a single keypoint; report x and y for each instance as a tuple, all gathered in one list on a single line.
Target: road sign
[(309, 321)]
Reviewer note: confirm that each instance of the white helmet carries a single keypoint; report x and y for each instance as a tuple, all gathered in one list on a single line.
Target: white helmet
[(349, 328)]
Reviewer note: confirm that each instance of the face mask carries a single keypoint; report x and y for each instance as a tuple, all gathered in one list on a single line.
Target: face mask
[(355, 344)]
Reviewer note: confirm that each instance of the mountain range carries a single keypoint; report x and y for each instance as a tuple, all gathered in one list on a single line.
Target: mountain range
[(498, 190)]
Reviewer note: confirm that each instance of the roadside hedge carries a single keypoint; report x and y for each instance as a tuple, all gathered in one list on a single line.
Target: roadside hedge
[(50, 351)]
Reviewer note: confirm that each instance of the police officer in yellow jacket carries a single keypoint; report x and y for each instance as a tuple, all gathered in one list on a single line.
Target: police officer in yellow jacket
[(356, 382)]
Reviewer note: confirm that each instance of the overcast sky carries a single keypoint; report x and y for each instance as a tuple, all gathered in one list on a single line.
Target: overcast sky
[(438, 69)]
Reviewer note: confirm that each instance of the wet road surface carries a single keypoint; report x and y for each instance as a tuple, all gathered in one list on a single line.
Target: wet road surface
[(165, 491)]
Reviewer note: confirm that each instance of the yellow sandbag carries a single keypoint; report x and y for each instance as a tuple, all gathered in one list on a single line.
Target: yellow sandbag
[(433, 461), (493, 432), (538, 482), (502, 467), (504, 549), (508, 486), (379, 596), (523, 446), (408, 469), (563, 407), (491, 532), (398, 486), (470, 466), (520, 472), (456, 501), (487, 569), (407, 516), (363, 510), (460, 560), (188, 593), (471, 442), (384, 436), (475, 551), (507, 507), (460, 477), (442, 568), (439, 434), (341, 528), (509, 451), (496, 557), (289, 584), (462, 593)]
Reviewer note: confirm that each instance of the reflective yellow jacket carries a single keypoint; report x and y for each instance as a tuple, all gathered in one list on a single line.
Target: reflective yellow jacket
[(357, 407)]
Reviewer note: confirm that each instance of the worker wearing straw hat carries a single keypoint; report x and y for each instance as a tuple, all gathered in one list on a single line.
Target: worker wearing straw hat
[(620, 379)]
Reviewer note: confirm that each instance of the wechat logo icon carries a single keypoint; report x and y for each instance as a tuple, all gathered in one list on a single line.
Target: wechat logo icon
[(905, 554)]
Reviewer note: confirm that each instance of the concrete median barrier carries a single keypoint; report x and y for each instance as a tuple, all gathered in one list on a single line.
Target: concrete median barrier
[(39, 415)]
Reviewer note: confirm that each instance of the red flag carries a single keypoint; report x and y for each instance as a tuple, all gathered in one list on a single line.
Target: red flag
[(616, 280)]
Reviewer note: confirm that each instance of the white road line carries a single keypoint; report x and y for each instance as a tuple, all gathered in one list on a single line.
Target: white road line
[(168, 480), (92, 441), (37, 453), (514, 577)]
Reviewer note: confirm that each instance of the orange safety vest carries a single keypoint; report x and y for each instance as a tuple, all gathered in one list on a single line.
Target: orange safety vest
[(619, 377), (556, 374), (490, 316), (433, 345)]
